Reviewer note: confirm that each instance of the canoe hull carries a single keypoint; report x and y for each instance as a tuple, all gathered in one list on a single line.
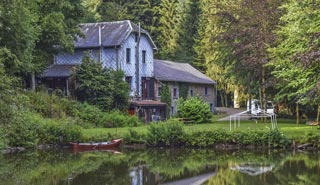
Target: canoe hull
[(96, 146)]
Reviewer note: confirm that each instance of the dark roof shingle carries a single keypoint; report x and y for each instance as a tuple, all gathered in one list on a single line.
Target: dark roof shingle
[(179, 72), (57, 71), (112, 34)]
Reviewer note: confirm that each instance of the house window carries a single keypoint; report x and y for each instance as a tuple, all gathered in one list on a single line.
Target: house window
[(211, 107), (159, 91), (206, 91), (175, 92), (129, 81), (144, 53), (191, 93), (128, 55), (136, 36)]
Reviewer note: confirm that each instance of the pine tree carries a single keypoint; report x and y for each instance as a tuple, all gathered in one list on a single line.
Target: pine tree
[(168, 20)]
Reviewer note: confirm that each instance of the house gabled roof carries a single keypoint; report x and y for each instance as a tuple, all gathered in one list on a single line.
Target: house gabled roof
[(179, 72), (113, 34), (57, 71)]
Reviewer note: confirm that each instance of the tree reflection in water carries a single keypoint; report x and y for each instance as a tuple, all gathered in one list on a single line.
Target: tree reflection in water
[(159, 166)]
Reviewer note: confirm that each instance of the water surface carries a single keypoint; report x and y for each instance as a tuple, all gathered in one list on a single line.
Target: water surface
[(160, 166)]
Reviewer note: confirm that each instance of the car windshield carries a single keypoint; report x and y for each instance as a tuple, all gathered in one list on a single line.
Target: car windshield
[(269, 105)]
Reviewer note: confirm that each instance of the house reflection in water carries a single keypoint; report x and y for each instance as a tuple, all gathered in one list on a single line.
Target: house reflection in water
[(141, 176)]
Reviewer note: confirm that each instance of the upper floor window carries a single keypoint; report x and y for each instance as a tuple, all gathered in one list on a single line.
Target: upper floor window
[(144, 53), (159, 91), (175, 92), (191, 93), (128, 55), (206, 91), (129, 80)]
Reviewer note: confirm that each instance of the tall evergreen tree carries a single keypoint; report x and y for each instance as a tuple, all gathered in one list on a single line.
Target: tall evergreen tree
[(213, 55), (168, 20), (296, 57), (187, 31)]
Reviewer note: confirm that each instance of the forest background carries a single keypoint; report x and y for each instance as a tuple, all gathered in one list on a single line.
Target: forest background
[(266, 49)]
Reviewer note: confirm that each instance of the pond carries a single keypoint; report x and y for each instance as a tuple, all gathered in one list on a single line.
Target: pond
[(160, 166)]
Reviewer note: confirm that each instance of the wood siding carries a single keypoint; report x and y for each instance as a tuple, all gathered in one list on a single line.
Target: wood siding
[(115, 58)]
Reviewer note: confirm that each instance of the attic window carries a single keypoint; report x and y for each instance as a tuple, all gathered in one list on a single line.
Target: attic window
[(206, 91), (136, 37)]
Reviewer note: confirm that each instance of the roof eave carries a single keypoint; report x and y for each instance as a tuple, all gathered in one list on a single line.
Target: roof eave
[(169, 80)]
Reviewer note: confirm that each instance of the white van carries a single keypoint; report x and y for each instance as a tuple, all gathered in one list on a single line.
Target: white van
[(256, 107)]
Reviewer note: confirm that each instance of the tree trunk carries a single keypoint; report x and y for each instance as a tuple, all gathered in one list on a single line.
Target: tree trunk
[(297, 114), (33, 81), (263, 89), (250, 104), (236, 98), (226, 100), (222, 98), (318, 114)]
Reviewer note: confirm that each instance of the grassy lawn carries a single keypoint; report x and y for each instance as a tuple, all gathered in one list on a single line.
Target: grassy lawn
[(288, 127)]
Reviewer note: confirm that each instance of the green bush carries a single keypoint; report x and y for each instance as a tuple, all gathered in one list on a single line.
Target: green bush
[(194, 109), (119, 119), (30, 129), (312, 138), (49, 106), (169, 133), (209, 138), (22, 130), (277, 138), (87, 115), (58, 132), (272, 138), (134, 137)]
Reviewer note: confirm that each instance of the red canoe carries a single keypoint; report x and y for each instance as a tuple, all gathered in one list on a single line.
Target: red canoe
[(96, 146)]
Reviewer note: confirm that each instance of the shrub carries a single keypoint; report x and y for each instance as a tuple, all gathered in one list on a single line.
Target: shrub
[(58, 132), (118, 119), (169, 133), (88, 115), (49, 106), (277, 138), (209, 138), (195, 109), (22, 130), (134, 137)]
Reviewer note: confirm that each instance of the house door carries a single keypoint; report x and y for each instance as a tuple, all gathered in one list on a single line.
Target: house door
[(147, 88)]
